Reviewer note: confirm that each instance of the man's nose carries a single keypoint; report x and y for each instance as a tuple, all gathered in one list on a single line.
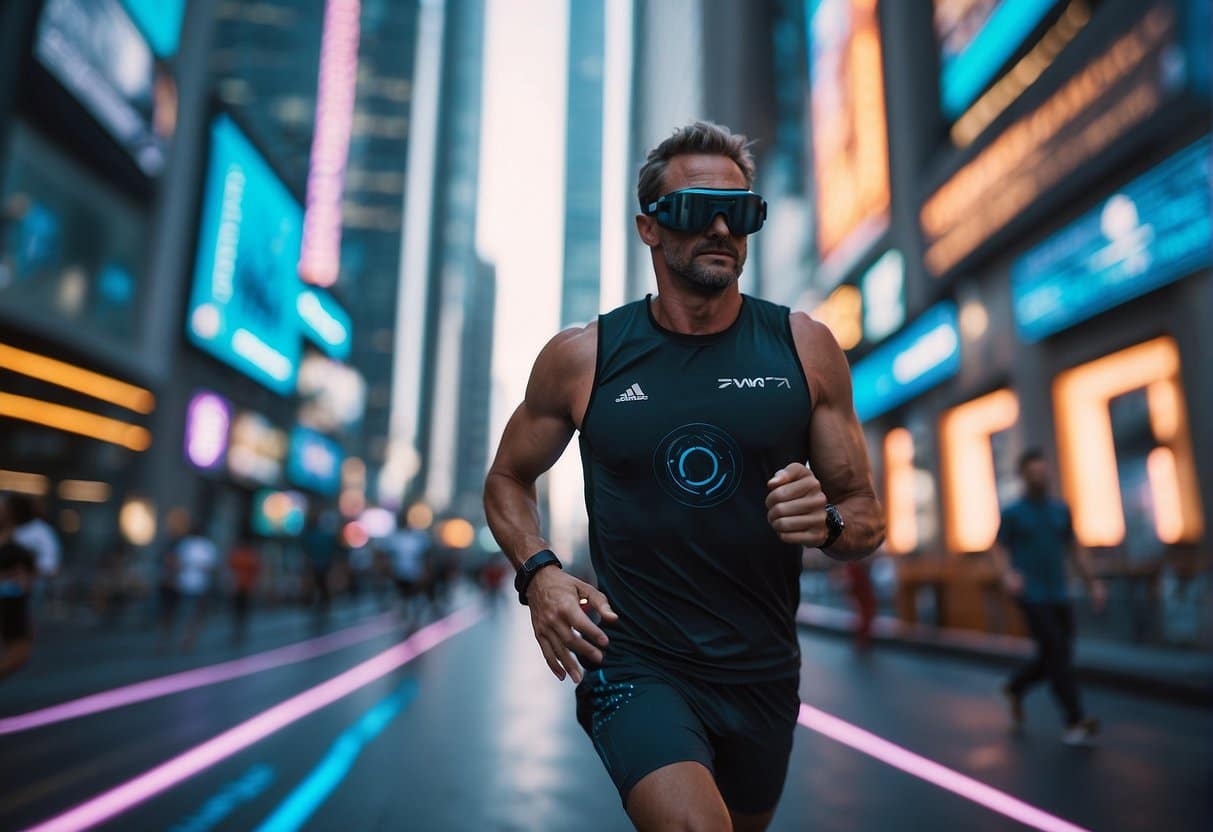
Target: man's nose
[(719, 227)]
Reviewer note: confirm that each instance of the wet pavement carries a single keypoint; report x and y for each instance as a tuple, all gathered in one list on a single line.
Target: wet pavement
[(464, 728)]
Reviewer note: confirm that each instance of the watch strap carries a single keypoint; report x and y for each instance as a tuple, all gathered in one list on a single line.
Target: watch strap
[(522, 580)]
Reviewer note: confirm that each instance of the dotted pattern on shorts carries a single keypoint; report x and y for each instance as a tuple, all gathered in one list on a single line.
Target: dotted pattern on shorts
[(607, 698)]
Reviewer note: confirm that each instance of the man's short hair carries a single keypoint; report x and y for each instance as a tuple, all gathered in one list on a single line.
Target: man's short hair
[(702, 137), (1029, 456)]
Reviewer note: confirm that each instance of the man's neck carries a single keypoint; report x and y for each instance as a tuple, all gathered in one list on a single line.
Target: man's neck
[(691, 313)]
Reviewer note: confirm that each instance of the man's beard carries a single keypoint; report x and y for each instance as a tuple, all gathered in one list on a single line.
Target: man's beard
[(708, 279)]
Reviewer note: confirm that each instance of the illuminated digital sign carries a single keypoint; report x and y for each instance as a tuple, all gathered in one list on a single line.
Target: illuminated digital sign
[(924, 354), (314, 461), (160, 22), (1130, 81), (1153, 231), (207, 420), (332, 395), (325, 323), (97, 53), (850, 144), (244, 303), (256, 449), (976, 38), (884, 296), (842, 313)]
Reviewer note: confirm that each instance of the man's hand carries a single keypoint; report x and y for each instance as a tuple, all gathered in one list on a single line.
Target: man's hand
[(559, 604), (796, 506)]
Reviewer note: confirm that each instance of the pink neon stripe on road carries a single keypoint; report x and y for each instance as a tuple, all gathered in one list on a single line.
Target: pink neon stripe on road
[(198, 677), (166, 775), (931, 771)]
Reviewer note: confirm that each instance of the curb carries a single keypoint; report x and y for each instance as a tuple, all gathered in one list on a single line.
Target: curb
[(1005, 652)]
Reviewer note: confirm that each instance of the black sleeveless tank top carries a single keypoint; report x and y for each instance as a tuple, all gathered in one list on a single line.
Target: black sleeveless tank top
[(678, 441)]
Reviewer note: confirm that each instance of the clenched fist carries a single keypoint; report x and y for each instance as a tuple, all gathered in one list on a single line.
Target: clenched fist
[(796, 506)]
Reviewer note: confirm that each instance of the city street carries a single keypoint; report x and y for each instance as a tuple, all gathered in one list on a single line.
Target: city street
[(474, 733)]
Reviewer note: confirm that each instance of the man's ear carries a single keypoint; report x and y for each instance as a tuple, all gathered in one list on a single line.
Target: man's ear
[(647, 228)]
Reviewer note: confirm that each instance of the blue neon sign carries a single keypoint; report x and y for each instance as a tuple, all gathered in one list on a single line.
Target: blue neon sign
[(924, 354), (314, 461), (325, 323), (973, 51), (1154, 231), (160, 22), (243, 306)]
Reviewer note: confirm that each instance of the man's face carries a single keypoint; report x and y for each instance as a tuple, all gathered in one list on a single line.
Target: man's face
[(1036, 476), (711, 259)]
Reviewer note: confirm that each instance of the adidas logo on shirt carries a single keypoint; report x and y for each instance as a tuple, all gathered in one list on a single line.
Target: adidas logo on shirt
[(632, 394)]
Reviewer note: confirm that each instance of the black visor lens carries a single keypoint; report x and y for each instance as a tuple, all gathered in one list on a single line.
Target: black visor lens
[(693, 210)]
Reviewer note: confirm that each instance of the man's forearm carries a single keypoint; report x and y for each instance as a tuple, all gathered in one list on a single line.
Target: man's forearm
[(512, 510), (863, 531)]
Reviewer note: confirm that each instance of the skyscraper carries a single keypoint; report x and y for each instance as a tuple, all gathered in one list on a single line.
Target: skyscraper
[(583, 164), (453, 264), (475, 389)]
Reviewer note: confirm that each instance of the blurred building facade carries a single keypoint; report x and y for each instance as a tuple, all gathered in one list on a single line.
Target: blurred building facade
[(1009, 235), (164, 363), (1029, 268)]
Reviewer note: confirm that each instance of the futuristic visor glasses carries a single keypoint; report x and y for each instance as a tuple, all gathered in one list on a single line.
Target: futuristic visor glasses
[(693, 209)]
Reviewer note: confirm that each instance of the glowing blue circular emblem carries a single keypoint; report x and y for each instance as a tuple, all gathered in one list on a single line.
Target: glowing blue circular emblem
[(699, 465)]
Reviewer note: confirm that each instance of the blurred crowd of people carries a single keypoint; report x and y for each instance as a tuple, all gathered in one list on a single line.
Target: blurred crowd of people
[(183, 587)]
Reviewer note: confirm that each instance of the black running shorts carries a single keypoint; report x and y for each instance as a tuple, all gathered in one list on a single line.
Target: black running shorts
[(641, 720)]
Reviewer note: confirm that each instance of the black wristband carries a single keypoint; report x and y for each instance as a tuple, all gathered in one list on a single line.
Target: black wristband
[(522, 580)]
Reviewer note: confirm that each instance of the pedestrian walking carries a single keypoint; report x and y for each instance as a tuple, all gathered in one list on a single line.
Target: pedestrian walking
[(1035, 539)]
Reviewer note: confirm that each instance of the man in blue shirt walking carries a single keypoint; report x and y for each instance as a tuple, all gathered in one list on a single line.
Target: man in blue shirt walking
[(1037, 535)]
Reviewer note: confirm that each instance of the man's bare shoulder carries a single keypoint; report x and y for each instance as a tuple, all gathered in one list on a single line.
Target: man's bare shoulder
[(563, 363), (823, 360), (572, 350)]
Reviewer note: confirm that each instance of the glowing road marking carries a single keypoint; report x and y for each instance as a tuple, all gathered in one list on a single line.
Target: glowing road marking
[(198, 677), (231, 797), (323, 780), (201, 757), (931, 771)]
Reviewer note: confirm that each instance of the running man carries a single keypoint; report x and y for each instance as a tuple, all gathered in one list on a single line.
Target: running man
[(718, 438), (1038, 534)]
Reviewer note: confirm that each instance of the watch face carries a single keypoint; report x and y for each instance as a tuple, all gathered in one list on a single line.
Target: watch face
[(834, 518)]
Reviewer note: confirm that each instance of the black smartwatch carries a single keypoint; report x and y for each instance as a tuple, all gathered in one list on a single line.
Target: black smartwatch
[(526, 572), (834, 525)]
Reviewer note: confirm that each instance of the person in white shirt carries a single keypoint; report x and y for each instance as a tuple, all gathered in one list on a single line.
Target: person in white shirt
[(34, 533), (406, 549), (197, 558)]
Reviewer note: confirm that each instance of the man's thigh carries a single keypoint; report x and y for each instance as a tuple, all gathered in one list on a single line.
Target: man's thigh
[(640, 723), (678, 796)]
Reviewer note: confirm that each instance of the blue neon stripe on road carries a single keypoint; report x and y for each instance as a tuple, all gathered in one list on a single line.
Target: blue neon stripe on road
[(324, 779)]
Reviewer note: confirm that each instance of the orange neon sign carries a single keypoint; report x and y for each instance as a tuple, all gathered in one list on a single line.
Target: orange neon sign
[(850, 142), (1087, 453)]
